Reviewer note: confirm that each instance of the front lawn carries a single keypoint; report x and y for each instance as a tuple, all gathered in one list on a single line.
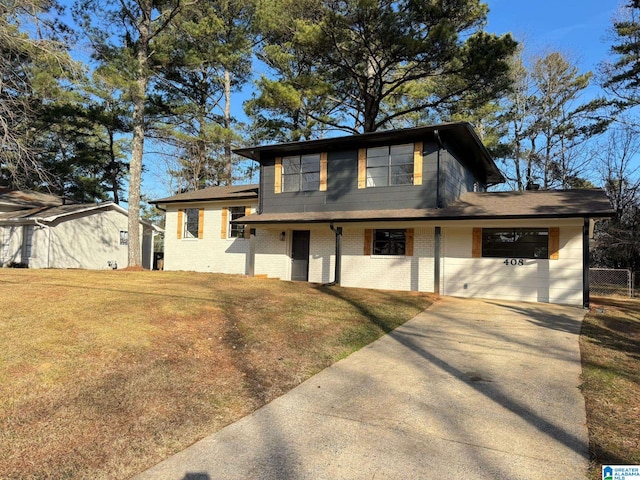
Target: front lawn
[(105, 373), (610, 346)]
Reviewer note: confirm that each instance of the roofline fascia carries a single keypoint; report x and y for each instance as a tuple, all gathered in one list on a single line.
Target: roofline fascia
[(200, 200), (429, 219)]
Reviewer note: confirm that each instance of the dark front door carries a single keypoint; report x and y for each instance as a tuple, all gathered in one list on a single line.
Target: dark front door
[(300, 255)]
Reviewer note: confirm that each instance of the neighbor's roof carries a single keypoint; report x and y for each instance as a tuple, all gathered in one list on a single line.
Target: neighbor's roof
[(592, 203), (51, 214), (27, 198), (228, 192), (459, 134)]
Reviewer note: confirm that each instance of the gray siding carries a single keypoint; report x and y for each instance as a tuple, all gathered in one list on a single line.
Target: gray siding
[(456, 180), (342, 186)]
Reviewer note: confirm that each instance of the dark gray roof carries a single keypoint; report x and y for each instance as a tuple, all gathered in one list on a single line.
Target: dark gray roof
[(228, 192), (460, 135), (592, 203), (27, 198)]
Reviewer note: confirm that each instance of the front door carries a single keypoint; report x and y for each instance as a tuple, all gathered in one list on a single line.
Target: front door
[(300, 255)]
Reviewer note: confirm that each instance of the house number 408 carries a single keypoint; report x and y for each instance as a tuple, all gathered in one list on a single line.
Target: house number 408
[(514, 261)]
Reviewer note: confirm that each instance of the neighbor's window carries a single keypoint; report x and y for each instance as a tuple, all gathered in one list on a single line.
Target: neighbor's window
[(190, 223), (515, 242), (389, 242), (236, 230), (390, 165), (124, 237), (301, 173)]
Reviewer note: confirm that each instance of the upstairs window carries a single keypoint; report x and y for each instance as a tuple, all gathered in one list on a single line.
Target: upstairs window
[(390, 165), (124, 238), (236, 230), (191, 223), (301, 173), (515, 242)]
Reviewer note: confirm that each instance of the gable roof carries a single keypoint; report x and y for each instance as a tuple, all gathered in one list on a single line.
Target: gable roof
[(21, 199), (461, 135), (228, 192), (50, 214), (591, 203)]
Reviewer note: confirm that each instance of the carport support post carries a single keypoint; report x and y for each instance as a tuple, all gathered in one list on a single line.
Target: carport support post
[(585, 263), (338, 263)]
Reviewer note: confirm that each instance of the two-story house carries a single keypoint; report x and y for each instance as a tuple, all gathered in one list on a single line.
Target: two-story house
[(400, 210)]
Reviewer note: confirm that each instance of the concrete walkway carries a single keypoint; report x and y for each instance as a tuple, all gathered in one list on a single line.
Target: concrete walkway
[(468, 389)]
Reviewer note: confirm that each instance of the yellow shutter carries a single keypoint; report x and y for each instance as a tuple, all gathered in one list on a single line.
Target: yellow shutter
[(476, 249), (368, 233), (408, 249), (247, 229), (179, 224), (223, 222), (554, 243), (201, 223), (417, 163), (323, 172), (278, 176), (362, 168)]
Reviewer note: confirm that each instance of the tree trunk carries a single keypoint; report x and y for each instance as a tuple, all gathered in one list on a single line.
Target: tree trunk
[(137, 144), (227, 126)]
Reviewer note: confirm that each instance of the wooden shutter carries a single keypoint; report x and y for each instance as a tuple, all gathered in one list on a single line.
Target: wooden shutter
[(323, 172), (408, 249), (554, 243), (362, 168), (201, 223), (277, 184), (223, 222), (476, 248), (368, 233), (417, 163), (247, 230), (179, 224)]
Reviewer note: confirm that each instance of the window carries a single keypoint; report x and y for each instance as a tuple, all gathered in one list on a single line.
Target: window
[(390, 165), (236, 230), (515, 242), (191, 223), (389, 242), (124, 237), (301, 173)]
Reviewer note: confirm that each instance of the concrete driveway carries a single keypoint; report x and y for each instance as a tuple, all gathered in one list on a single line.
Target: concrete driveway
[(468, 389)]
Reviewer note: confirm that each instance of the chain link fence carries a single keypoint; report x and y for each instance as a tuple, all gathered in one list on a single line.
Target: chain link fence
[(607, 282), (635, 284)]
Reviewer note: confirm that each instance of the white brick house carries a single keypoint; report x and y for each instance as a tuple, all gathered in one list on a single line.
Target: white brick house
[(399, 210)]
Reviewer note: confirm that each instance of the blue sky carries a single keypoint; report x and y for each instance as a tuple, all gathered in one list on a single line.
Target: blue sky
[(576, 28)]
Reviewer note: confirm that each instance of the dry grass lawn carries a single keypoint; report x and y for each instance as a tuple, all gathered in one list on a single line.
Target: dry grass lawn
[(610, 346), (104, 374)]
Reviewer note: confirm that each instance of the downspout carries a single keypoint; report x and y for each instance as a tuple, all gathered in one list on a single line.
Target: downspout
[(436, 261), (338, 264), (436, 134), (585, 263), (438, 230), (37, 221)]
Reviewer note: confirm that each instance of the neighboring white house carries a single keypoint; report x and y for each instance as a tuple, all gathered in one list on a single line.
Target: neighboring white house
[(40, 231), (399, 210)]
